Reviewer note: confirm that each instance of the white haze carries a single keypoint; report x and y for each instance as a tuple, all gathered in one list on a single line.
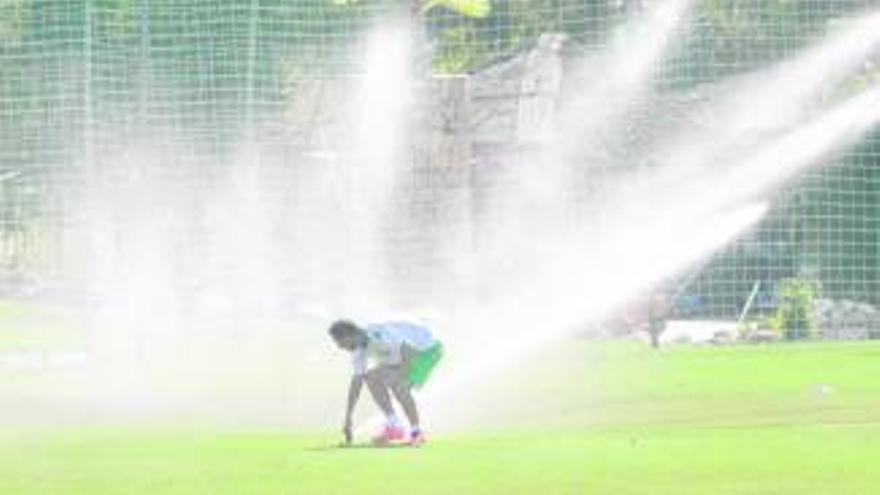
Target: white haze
[(213, 293)]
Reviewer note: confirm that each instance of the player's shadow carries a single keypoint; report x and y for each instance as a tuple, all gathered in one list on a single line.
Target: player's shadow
[(359, 446)]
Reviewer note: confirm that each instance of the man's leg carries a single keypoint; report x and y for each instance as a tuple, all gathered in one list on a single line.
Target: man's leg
[(403, 394), (402, 390), (377, 382), (379, 391)]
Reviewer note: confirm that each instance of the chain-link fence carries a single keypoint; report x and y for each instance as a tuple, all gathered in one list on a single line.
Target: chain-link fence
[(122, 113)]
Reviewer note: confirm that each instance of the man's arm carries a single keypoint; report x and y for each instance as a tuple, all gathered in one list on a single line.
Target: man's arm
[(354, 391)]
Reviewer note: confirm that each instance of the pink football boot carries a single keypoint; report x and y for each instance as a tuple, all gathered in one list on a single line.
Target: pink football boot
[(389, 434)]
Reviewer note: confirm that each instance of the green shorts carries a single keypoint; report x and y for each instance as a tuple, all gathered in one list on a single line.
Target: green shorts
[(423, 364)]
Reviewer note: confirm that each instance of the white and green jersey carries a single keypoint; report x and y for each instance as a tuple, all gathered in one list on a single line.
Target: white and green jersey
[(384, 343)]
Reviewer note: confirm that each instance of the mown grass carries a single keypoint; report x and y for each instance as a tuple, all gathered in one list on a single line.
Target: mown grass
[(32, 326), (596, 419), (814, 459)]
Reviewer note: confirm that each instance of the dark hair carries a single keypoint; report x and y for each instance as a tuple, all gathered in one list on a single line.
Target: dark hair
[(341, 328)]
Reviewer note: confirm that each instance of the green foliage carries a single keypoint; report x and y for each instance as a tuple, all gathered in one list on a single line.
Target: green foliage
[(10, 19), (477, 9), (797, 316), (836, 230), (772, 322), (455, 53), (465, 42), (117, 19), (868, 78), (734, 36)]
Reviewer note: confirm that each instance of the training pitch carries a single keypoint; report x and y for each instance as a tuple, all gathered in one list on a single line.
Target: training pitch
[(604, 418)]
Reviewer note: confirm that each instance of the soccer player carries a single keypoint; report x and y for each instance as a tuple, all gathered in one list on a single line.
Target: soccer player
[(392, 358)]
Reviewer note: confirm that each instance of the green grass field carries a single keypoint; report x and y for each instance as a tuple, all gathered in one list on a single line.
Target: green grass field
[(26, 326), (597, 419)]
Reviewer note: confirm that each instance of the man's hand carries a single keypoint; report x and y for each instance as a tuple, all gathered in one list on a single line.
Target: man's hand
[(346, 430)]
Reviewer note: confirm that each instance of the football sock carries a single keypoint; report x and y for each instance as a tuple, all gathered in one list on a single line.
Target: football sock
[(393, 420)]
